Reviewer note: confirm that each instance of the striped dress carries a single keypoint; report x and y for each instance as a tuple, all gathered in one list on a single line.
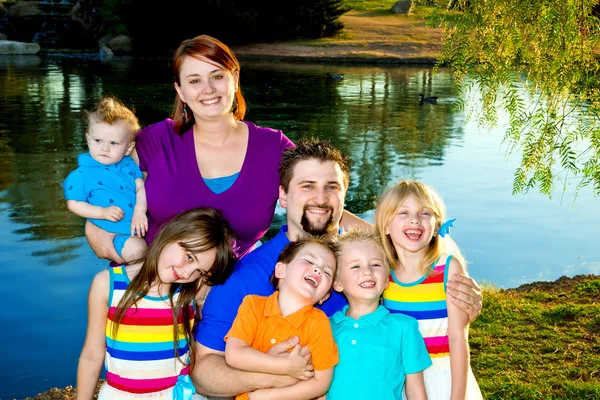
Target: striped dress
[(140, 362), (425, 300)]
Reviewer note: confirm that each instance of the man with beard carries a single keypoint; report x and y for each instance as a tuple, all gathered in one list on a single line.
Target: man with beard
[(314, 179)]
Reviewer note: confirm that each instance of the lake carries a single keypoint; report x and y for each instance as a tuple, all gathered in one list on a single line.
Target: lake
[(373, 115)]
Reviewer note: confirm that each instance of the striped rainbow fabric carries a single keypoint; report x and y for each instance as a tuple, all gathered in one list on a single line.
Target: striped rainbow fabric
[(141, 359), (425, 300)]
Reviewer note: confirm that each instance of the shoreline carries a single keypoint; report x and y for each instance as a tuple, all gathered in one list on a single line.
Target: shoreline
[(562, 288)]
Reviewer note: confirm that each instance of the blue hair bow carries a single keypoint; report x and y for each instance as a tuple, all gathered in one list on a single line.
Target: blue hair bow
[(184, 388), (445, 228)]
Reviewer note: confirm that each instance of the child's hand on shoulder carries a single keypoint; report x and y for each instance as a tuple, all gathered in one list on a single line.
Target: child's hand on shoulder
[(112, 213), (139, 223), (299, 365)]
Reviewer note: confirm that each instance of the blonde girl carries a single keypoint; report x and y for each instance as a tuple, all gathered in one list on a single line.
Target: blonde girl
[(410, 218), (140, 317)]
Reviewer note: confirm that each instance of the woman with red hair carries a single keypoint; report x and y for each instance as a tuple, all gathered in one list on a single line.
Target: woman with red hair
[(206, 155)]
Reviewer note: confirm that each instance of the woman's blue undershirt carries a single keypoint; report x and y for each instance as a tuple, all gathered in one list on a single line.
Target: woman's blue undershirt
[(221, 184)]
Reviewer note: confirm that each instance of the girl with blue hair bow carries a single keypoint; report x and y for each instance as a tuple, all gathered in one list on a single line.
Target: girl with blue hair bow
[(411, 220)]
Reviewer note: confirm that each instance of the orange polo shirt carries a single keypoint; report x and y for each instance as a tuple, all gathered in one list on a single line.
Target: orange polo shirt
[(261, 325)]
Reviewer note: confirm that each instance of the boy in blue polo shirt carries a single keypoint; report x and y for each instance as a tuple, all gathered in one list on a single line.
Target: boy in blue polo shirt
[(108, 187), (378, 351)]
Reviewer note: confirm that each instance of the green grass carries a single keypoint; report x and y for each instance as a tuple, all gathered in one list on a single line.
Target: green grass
[(369, 5), (543, 343), (419, 6)]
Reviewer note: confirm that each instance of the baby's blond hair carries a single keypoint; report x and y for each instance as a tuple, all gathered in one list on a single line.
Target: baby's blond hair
[(111, 110)]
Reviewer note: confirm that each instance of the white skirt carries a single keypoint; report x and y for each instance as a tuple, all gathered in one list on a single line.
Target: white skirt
[(108, 392), (438, 381)]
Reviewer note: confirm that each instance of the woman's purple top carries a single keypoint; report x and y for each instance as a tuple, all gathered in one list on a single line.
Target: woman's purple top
[(174, 182)]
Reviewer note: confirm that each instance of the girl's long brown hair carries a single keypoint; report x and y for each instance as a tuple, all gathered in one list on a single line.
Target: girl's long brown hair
[(208, 47), (196, 230)]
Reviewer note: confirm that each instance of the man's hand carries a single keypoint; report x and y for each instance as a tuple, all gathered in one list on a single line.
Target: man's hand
[(112, 213), (139, 223), (102, 242), (466, 294)]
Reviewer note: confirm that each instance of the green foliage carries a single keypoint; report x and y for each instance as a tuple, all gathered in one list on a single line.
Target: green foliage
[(370, 5), (589, 287), (555, 119), (160, 29)]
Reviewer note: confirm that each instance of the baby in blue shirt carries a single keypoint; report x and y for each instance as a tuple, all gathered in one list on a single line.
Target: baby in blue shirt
[(108, 187), (380, 353)]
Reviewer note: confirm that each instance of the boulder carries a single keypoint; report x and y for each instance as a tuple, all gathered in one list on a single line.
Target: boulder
[(76, 15), (3, 36), (12, 47), (24, 9), (402, 7), (105, 52), (120, 44), (2, 9), (20, 61)]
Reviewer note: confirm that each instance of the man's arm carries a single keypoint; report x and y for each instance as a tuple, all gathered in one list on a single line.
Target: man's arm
[(349, 219), (309, 389), (213, 377), (466, 294)]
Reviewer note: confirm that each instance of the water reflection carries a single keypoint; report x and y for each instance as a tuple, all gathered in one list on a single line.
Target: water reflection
[(373, 115)]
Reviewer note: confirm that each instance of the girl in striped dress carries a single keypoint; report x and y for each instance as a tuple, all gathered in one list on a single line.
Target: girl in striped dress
[(410, 220), (140, 316)]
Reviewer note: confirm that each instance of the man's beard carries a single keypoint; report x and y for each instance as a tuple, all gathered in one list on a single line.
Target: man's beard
[(316, 228)]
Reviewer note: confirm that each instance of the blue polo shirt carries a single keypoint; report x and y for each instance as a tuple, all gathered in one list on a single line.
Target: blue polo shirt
[(250, 276), (376, 352), (104, 186)]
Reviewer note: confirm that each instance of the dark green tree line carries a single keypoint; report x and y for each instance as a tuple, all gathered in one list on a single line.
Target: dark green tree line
[(160, 27)]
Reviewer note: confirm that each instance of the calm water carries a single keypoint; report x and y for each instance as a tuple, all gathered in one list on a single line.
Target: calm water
[(373, 115)]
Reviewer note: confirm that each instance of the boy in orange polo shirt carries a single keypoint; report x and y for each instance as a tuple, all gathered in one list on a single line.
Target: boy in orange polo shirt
[(303, 276)]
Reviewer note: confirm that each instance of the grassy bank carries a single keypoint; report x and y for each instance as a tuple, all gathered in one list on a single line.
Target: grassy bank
[(539, 341)]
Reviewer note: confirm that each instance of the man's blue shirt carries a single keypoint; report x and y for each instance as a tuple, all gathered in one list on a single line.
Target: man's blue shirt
[(250, 276), (105, 185)]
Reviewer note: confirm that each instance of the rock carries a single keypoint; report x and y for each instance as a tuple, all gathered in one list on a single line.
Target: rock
[(120, 44), (2, 9), (104, 39), (12, 47), (402, 7), (105, 52), (76, 15), (20, 61), (2, 35), (24, 9)]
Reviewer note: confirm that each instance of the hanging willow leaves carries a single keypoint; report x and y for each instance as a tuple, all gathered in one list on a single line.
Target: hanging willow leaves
[(554, 119)]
